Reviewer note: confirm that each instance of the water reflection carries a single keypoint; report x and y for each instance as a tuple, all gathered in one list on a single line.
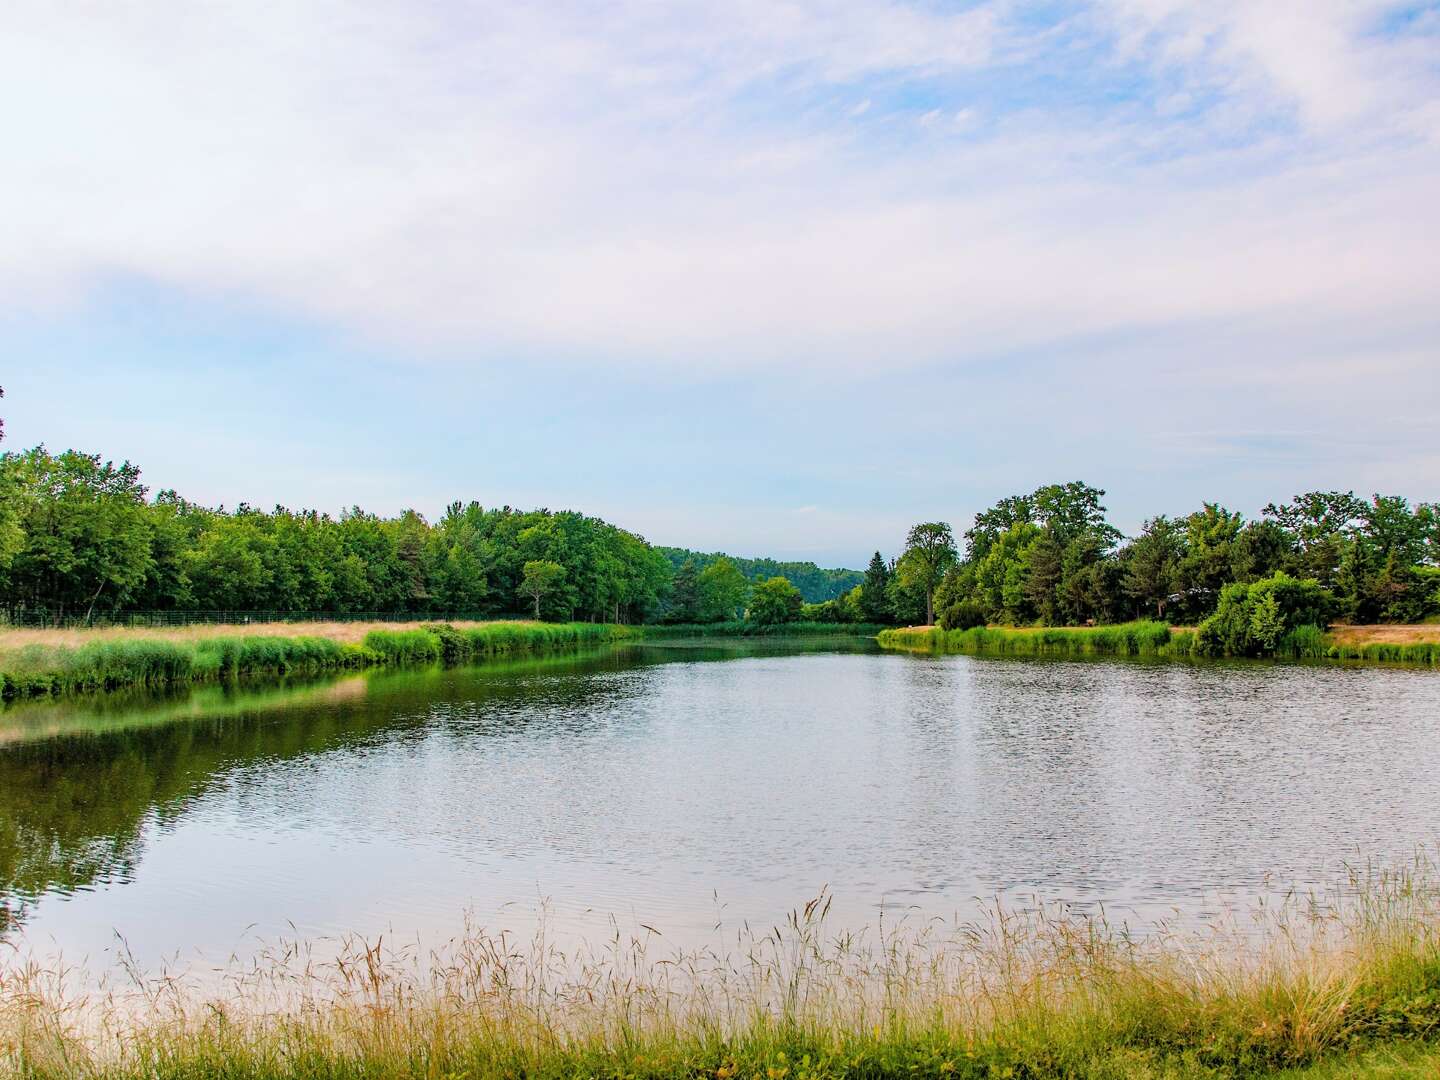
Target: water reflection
[(645, 782)]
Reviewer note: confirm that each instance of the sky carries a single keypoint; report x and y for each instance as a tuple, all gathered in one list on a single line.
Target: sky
[(776, 277)]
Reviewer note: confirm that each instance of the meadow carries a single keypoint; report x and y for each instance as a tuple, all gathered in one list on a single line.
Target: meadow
[(1340, 985)]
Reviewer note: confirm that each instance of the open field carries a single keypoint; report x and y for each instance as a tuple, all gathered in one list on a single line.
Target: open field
[(1386, 634), (1321, 987)]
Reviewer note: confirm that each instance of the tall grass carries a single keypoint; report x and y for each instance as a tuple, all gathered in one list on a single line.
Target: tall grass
[(1144, 638), (1413, 652), (113, 663), (741, 628), (1037, 995)]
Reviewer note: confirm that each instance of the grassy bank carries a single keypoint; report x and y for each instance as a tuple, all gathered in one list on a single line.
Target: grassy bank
[(1148, 638), (1126, 639), (111, 660), (740, 628), (1316, 994)]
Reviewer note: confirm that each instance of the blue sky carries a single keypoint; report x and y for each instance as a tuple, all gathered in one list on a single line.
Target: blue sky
[(775, 278)]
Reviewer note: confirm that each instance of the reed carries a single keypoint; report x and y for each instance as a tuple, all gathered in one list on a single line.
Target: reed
[(741, 628), (1143, 638), (112, 663), (1146, 638), (1341, 983)]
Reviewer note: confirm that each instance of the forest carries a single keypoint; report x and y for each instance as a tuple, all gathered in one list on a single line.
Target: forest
[(81, 537), (815, 583), (1051, 558)]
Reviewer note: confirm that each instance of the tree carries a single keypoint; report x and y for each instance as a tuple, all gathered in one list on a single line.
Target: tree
[(684, 606), (541, 578), (1210, 535), (723, 589), (1152, 564), (1323, 524), (774, 601), (84, 537), (874, 603), (929, 552), (1071, 511)]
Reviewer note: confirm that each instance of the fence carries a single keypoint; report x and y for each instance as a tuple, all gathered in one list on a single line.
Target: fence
[(43, 618)]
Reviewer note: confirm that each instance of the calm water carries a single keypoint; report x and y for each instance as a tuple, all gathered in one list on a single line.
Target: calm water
[(678, 787)]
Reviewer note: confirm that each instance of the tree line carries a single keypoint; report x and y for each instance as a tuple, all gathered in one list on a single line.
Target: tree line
[(79, 536), (82, 537), (1052, 558), (816, 584)]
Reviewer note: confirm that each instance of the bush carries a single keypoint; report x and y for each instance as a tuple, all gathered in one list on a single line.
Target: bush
[(962, 615), (1252, 620), (773, 602)]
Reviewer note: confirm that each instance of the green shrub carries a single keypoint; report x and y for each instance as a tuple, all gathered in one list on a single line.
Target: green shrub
[(963, 615), (1252, 620)]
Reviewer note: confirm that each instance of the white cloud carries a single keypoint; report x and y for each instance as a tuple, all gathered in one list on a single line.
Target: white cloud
[(652, 184)]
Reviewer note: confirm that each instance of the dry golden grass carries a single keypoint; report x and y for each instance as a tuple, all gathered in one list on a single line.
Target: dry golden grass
[(1040, 994), (1386, 634), (350, 633)]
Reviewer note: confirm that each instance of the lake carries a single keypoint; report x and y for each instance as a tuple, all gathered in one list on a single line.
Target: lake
[(687, 786)]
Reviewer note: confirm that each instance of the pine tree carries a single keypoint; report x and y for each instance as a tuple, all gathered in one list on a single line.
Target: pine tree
[(874, 591)]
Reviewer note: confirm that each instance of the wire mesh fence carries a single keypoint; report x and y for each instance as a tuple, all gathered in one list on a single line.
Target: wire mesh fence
[(38, 618)]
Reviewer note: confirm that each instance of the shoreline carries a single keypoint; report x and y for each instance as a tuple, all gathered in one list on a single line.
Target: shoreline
[(114, 661), (1417, 645), (1339, 989)]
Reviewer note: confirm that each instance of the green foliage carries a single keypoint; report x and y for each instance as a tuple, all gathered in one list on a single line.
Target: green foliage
[(39, 670), (816, 584), (1252, 619), (1267, 623), (722, 591), (962, 615), (773, 602), (1141, 638), (78, 538), (1050, 558), (684, 603), (929, 553), (1152, 564), (874, 591), (845, 609), (540, 578)]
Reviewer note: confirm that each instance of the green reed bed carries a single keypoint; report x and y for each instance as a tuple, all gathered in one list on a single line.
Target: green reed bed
[(1417, 652), (741, 628), (39, 670), (1142, 638), (1342, 983)]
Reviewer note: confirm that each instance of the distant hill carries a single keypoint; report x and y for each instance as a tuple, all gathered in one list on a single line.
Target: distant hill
[(815, 583)]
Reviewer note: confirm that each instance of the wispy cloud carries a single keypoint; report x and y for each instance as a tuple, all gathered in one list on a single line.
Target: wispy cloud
[(1117, 238), (660, 184)]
